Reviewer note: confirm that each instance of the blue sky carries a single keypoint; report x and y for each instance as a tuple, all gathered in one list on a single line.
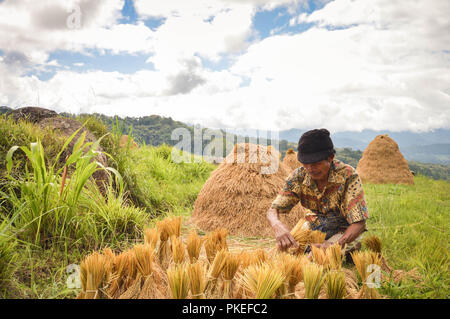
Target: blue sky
[(265, 64)]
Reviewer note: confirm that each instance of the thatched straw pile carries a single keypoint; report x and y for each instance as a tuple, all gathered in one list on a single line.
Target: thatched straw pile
[(382, 163), (290, 160), (125, 139), (237, 195)]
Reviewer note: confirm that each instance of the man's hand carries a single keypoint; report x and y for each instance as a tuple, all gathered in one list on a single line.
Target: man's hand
[(282, 233), (283, 237)]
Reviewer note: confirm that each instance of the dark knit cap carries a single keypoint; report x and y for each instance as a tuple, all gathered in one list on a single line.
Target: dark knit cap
[(315, 146)]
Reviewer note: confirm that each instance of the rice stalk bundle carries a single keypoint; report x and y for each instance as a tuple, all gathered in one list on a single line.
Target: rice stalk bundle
[(334, 256), (291, 268), (93, 274), (319, 256), (335, 284), (214, 272), (131, 274), (151, 237), (302, 236), (144, 259), (262, 281), (193, 245), (178, 279), (134, 288), (197, 280), (229, 271), (362, 261), (317, 237), (109, 263), (313, 279), (214, 242), (174, 226), (177, 249), (164, 228), (373, 243), (120, 268)]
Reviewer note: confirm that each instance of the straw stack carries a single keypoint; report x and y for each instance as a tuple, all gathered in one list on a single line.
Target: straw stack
[(237, 195), (383, 163), (290, 160)]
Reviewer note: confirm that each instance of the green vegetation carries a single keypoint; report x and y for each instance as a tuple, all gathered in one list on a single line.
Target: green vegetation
[(413, 224)]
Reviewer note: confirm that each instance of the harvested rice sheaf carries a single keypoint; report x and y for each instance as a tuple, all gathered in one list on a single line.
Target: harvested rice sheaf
[(334, 256), (335, 284), (214, 272), (313, 280), (151, 237), (317, 237), (229, 271), (178, 279), (93, 270), (262, 281), (214, 242), (197, 279), (177, 249), (193, 245), (364, 262)]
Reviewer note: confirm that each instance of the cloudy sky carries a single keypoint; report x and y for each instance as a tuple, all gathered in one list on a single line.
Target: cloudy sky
[(266, 64)]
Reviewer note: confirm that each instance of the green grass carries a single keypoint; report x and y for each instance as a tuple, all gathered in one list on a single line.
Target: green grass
[(413, 224)]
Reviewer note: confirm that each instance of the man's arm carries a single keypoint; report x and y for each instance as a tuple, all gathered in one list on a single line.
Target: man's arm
[(282, 233), (352, 232)]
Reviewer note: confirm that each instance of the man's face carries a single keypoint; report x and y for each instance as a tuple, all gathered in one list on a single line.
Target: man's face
[(319, 170)]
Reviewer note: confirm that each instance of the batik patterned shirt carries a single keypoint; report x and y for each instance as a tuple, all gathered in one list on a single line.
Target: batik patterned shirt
[(340, 204)]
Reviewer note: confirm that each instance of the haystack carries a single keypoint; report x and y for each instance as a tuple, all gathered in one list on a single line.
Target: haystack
[(383, 163), (290, 160), (238, 194)]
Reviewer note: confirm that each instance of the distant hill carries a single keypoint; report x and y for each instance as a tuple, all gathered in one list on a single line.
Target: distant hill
[(428, 147), (4, 109)]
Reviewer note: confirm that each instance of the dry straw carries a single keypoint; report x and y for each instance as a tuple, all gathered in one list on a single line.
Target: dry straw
[(214, 272), (167, 227), (214, 242), (229, 270), (290, 160), (319, 256), (262, 281), (177, 249), (373, 243), (334, 256), (151, 237), (178, 279), (335, 284), (317, 237), (382, 162), (302, 236), (93, 275), (313, 279), (238, 191), (291, 268), (197, 279), (362, 261), (193, 245)]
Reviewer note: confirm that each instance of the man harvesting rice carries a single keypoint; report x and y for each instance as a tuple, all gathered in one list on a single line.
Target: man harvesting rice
[(330, 190)]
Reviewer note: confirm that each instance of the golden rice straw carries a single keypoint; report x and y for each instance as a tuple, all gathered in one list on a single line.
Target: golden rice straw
[(109, 264), (291, 268), (193, 245), (178, 281), (144, 259), (313, 279), (214, 272), (93, 274), (362, 260), (215, 241), (302, 236), (334, 256), (262, 281), (335, 287), (319, 256), (177, 249), (151, 237), (230, 268), (317, 237), (164, 228), (197, 280), (120, 268), (174, 226), (374, 244)]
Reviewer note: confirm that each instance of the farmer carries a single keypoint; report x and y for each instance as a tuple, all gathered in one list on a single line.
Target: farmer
[(329, 190)]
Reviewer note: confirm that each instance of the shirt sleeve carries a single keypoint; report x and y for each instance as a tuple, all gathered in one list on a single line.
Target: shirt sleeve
[(287, 198), (355, 208)]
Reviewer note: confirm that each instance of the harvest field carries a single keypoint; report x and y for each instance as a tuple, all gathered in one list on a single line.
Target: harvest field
[(412, 221)]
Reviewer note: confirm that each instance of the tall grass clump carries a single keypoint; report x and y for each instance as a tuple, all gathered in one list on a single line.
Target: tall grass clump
[(8, 254)]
